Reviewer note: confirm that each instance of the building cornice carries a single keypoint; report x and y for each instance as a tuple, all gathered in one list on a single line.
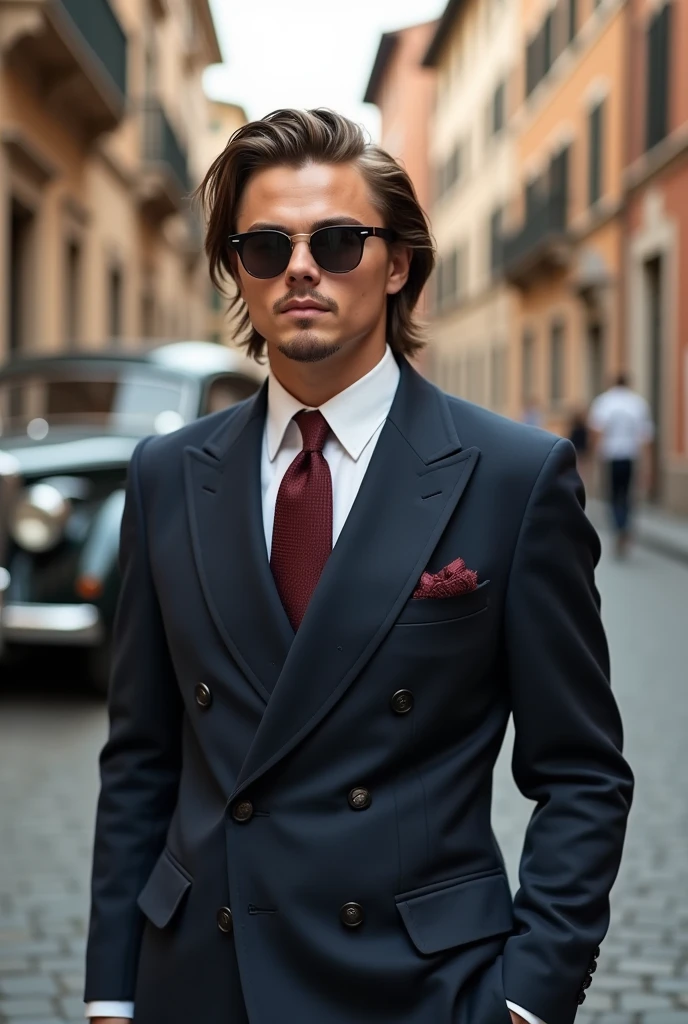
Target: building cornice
[(444, 27), (388, 44)]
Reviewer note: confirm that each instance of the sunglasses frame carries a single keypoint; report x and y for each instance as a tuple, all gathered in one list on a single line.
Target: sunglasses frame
[(238, 241)]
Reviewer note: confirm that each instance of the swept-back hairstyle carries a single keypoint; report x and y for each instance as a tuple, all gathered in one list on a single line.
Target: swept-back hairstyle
[(296, 138)]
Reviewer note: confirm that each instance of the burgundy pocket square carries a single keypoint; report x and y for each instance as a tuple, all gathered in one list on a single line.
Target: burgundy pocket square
[(451, 581)]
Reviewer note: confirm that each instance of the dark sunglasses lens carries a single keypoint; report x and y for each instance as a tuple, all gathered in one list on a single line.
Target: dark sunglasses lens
[(337, 250), (266, 254)]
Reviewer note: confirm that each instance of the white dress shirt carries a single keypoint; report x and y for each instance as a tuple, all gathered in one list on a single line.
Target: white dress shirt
[(355, 417)]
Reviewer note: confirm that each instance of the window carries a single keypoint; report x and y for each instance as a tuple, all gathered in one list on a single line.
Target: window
[(658, 77), (115, 302), (72, 292), (498, 378), (496, 242), (595, 154), (448, 172), (528, 367), (556, 362), (573, 20), (498, 119), (547, 43)]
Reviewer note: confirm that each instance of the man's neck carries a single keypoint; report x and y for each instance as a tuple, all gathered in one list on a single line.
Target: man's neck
[(316, 383)]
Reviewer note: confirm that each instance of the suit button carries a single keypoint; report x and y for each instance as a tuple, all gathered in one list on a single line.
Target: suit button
[(203, 695), (587, 982), (360, 799), (402, 702), (351, 915), (243, 811), (596, 953), (224, 920), (592, 968), (581, 998)]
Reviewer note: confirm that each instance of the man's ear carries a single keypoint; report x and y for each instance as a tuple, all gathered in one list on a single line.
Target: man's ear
[(399, 267)]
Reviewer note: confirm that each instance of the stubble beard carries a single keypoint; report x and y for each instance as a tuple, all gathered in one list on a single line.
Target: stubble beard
[(307, 347)]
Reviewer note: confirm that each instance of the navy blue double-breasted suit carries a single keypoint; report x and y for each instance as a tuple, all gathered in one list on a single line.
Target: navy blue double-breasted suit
[(237, 876)]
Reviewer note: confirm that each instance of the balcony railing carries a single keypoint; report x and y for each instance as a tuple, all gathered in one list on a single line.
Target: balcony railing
[(166, 181), (161, 144), (75, 51), (98, 24), (541, 244)]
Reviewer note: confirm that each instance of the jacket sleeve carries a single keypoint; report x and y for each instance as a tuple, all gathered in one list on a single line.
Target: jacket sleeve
[(567, 751), (139, 765)]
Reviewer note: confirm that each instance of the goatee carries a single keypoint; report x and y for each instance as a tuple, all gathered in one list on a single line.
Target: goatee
[(307, 349)]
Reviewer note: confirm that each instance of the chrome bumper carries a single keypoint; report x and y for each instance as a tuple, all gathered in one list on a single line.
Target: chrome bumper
[(78, 625)]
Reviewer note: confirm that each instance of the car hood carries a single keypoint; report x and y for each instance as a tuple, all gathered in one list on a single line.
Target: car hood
[(69, 455)]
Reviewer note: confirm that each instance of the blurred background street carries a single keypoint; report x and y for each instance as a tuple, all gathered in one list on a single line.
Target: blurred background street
[(51, 730)]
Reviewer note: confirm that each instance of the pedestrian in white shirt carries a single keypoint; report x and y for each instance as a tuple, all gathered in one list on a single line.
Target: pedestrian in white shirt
[(623, 426)]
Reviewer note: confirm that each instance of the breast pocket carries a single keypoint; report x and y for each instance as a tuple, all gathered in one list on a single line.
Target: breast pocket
[(426, 610)]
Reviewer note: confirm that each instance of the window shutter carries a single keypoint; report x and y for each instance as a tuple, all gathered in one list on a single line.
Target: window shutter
[(595, 158)]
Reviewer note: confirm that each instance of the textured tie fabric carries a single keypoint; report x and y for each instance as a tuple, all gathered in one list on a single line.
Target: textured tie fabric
[(302, 533)]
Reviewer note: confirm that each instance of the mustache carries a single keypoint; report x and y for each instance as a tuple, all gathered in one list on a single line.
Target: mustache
[(311, 293)]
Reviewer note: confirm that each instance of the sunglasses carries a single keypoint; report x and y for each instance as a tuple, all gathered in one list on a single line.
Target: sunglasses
[(337, 250)]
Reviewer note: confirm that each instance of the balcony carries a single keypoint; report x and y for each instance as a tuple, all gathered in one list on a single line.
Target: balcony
[(165, 182), (540, 248), (74, 53)]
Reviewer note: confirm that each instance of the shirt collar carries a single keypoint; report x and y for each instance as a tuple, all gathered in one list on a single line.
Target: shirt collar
[(353, 415)]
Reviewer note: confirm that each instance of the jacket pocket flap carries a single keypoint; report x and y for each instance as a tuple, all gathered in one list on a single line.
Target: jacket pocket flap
[(459, 912), (164, 890)]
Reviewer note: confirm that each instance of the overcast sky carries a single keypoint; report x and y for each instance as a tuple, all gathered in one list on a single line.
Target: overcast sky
[(280, 54)]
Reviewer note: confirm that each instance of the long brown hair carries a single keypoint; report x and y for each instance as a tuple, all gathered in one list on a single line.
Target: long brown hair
[(295, 138)]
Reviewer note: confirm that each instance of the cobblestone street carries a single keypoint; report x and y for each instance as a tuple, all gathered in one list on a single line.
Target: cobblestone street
[(49, 741)]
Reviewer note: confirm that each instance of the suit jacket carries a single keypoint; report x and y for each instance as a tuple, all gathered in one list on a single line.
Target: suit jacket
[(235, 745)]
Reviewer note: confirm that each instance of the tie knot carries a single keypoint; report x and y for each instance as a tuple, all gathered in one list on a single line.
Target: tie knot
[(314, 430)]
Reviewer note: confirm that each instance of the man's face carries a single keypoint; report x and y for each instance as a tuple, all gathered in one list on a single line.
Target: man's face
[(349, 309)]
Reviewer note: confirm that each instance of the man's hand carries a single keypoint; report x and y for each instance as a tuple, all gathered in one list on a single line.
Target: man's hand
[(515, 1018)]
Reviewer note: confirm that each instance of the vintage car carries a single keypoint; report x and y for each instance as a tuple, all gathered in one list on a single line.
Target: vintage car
[(68, 426)]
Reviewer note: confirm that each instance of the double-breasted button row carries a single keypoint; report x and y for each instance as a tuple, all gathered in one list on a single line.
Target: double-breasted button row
[(351, 915), (242, 811), (359, 799), (402, 702), (204, 697), (224, 920)]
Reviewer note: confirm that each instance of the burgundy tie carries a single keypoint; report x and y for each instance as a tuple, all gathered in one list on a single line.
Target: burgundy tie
[(302, 533)]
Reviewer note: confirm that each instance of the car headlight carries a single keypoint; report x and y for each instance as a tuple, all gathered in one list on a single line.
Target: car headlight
[(39, 518)]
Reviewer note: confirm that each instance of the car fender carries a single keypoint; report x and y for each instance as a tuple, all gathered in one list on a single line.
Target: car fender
[(98, 560)]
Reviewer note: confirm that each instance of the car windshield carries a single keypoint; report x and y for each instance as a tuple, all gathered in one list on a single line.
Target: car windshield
[(121, 399)]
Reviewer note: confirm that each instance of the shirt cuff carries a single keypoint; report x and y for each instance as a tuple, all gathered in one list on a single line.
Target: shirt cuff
[(101, 1009), (530, 1017)]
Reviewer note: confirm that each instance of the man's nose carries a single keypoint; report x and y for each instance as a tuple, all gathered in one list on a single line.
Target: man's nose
[(302, 266)]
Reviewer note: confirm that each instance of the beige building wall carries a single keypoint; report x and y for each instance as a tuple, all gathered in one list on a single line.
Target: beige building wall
[(98, 243), (222, 120), (474, 52)]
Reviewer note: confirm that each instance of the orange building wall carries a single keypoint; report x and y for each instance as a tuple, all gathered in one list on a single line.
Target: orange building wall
[(566, 105)]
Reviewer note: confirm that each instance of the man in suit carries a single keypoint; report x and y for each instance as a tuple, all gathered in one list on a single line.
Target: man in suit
[(333, 596)]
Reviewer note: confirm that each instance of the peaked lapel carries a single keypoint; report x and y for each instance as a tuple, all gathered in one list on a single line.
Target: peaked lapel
[(223, 493), (416, 477)]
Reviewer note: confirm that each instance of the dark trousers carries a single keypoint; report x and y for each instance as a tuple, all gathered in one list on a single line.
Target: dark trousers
[(620, 484)]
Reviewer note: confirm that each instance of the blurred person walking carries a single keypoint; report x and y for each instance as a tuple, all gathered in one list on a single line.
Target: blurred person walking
[(334, 595), (623, 431), (579, 436)]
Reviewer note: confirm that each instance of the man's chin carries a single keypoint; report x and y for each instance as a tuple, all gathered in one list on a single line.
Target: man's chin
[(307, 348)]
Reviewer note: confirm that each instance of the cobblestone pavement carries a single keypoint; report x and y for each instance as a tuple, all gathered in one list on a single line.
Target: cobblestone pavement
[(50, 737)]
